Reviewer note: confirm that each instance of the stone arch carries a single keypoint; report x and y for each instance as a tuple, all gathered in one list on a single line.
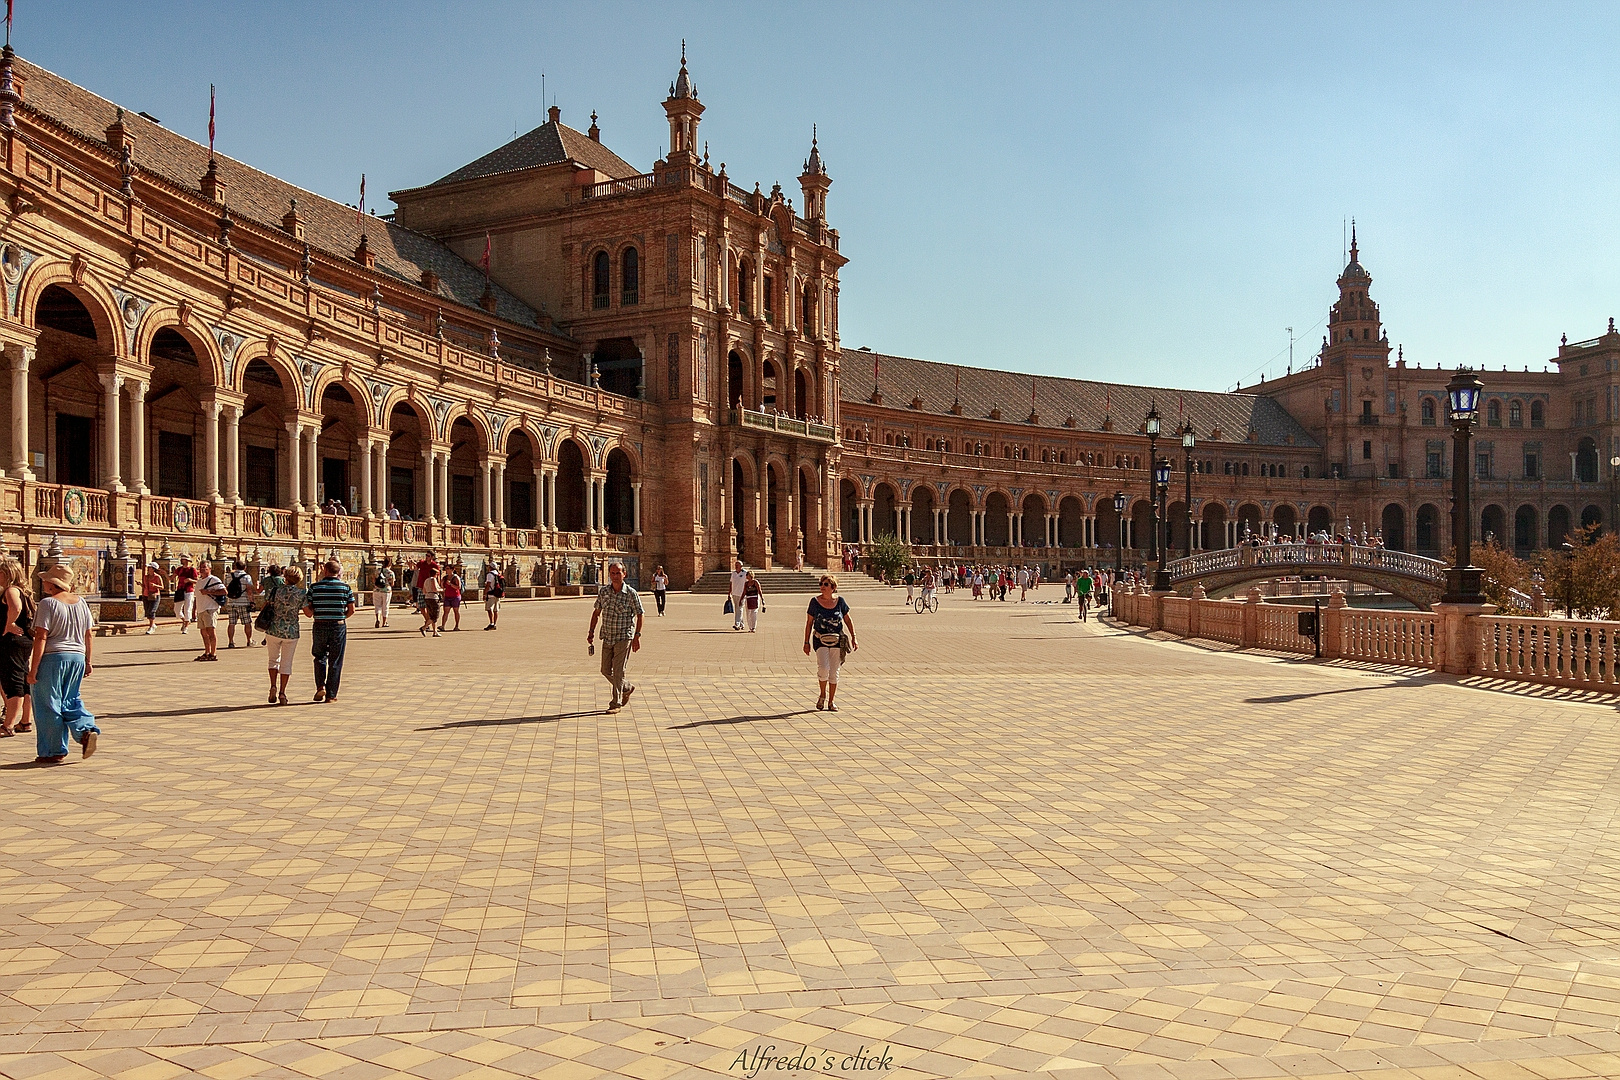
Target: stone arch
[(1493, 525), (277, 361), (410, 431), (924, 500), (523, 451), (959, 516), (1558, 526), (1071, 522), (1214, 519), (463, 411), (573, 465), (357, 390), (618, 510), (849, 495), (1319, 520), (87, 289), (1248, 520), (737, 368), (998, 508), (1139, 531), (1426, 534), (1592, 518), (1524, 529), (204, 346), (885, 500), (1175, 528), (1285, 517), (1032, 518), (1392, 526)]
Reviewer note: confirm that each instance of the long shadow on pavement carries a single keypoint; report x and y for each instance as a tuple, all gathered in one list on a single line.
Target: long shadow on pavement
[(499, 721), (739, 720)]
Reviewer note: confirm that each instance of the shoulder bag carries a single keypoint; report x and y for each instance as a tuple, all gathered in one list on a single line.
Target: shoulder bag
[(262, 620)]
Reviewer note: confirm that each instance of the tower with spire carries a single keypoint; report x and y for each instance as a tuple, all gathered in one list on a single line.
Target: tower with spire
[(684, 111), (1354, 319), (814, 182)]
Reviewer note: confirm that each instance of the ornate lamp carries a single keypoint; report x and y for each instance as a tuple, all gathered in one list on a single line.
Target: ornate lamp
[(1161, 486), (1189, 440), (1119, 550), (1463, 580)]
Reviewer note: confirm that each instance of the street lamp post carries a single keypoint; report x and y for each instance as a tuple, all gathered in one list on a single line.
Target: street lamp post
[(1119, 552), (1569, 580), (1463, 579), (1614, 497), (1161, 520), (1188, 441), (1150, 424)]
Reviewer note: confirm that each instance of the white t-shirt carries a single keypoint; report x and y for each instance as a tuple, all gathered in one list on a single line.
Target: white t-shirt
[(206, 603), (739, 578), (660, 582)]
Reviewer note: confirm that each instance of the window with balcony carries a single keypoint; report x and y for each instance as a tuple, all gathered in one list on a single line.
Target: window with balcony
[(1532, 461), (1426, 411), (601, 280), (745, 279), (1493, 414), (630, 276), (1516, 414), (769, 300)]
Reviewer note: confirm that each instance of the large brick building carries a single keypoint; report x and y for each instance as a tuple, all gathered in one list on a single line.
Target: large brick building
[(550, 358)]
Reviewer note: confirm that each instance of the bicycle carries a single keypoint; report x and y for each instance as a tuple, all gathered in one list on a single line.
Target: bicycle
[(927, 602)]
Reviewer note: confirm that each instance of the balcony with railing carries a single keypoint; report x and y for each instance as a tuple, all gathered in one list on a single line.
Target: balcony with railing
[(787, 425)]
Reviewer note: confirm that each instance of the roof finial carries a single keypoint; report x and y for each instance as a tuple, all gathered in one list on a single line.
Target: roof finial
[(1354, 257)]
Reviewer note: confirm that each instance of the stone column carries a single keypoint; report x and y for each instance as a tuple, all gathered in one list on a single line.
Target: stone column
[(443, 486), (430, 463), (295, 438), (211, 450), (590, 503), (483, 506), (1010, 533), (542, 518), (500, 493), (635, 507), (312, 462), (233, 447), (137, 436), (111, 382), (21, 357), (380, 485), (365, 477)]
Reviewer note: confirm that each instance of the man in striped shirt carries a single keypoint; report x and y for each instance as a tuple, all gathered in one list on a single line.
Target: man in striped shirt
[(330, 603)]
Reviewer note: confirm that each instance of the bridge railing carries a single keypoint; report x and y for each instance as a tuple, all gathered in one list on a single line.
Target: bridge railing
[(1308, 558), (1579, 653)]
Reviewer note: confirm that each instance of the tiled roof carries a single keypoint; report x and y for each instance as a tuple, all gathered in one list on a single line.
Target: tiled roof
[(902, 378), (552, 143), (329, 226)]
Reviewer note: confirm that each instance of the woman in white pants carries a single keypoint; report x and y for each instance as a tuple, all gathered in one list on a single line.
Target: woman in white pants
[(753, 601), (828, 630), (382, 594), (284, 601)]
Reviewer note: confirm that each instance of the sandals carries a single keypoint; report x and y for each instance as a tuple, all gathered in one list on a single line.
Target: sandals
[(831, 707), (281, 699), (272, 699), (8, 733), (25, 726), (821, 703)]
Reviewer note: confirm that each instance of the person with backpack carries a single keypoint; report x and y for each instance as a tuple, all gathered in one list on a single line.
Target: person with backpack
[(382, 593), (494, 589), (239, 590), (211, 597)]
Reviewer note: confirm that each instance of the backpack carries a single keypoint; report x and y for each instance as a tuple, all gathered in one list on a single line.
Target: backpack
[(382, 581), (234, 588), (498, 586)]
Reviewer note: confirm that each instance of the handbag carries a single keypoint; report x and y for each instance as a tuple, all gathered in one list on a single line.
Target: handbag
[(729, 610), (261, 621)]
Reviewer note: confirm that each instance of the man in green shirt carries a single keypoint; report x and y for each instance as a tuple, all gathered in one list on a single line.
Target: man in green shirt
[(1082, 588)]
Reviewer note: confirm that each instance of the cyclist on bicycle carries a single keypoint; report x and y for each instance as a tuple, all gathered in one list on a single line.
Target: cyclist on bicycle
[(928, 585)]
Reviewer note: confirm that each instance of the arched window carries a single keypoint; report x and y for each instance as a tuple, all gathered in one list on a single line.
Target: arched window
[(1427, 410), (1538, 415), (744, 277), (1516, 414), (1493, 414), (601, 280), (630, 277)]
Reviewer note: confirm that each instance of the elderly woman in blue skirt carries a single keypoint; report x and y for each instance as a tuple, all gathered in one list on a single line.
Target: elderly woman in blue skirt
[(60, 661)]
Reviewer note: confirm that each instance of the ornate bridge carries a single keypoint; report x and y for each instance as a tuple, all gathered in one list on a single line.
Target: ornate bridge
[(1413, 578)]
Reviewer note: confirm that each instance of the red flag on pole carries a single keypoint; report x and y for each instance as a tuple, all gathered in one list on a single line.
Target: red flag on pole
[(210, 95)]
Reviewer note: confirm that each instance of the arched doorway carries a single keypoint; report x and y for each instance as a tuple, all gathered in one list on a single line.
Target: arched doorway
[(521, 504), (571, 487), (336, 469), (1427, 539), (959, 518), (1285, 518), (63, 379), (1140, 532), (1214, 525), (1591, 522), (464, 455), (997, 520), (922, 514), (742, 500), (1393, 527), (1071, 522), (1320, 520), (1032, 522), (1558, 531), (261, 436), (801, 394), (619, 496), (884, 502), (1524, 529), (849, 511), (175, 422), (1493, 526), (1176, 528), (1248, 520), (408, 439), (1586, 462), (771, 394), (1108, 524), (734, 379)]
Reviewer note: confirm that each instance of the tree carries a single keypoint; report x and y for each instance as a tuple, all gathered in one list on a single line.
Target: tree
[(1503, 573), (1588, 581), (889, 556)]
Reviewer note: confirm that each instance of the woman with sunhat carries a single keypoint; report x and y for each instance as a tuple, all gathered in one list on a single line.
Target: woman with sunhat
[(60, 662)]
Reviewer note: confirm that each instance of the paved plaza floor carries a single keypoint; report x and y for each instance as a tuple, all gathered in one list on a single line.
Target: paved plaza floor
[(1024, 846)]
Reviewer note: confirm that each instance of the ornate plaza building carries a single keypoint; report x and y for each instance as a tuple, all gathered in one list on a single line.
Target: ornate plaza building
[(550, 358)]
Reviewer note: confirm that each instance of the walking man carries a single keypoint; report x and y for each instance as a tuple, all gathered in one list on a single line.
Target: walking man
[(330, 603), (382, 593), (494, 589), (239, 590), (211, 597), (619, 609), (739, 582)]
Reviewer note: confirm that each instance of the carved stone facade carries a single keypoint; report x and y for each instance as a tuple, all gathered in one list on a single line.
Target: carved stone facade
[(548, 358)]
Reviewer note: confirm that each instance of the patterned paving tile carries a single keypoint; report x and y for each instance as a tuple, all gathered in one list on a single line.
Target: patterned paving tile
[(1022, 847)]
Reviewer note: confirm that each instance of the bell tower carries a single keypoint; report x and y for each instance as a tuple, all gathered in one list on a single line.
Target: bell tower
[(1354, 319), (684, 111), (814, 182)]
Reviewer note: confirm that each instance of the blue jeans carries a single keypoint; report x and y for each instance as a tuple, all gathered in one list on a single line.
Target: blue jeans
[(57, 707), (327, 640)]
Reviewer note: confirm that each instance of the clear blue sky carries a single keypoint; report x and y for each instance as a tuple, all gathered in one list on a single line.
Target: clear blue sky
[(1118, 191)]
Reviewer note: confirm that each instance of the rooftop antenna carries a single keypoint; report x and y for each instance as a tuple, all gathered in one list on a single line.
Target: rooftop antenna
[(1290, 330), (1344, 241), (542, 91)]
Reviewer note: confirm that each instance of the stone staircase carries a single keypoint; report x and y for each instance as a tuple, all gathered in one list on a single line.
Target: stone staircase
[(776, 582)]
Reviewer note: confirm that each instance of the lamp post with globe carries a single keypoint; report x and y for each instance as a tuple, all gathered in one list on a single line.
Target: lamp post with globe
[(1188, 441), (1161, 521), (1119, 550), (1463, 578)]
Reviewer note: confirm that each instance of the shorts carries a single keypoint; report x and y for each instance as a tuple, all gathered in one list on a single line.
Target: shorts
[(828, 661), (15, 656), (281, 651), (241, 613), (492, 603), (430, 608), (451, 603), (207, 619), (149, 606)]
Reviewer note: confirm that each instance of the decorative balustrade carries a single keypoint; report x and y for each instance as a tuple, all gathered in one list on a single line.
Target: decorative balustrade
[(627, 186), (1277, 627), (1562, 652), (1397, 637), (1220, 620), (785, 424)]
